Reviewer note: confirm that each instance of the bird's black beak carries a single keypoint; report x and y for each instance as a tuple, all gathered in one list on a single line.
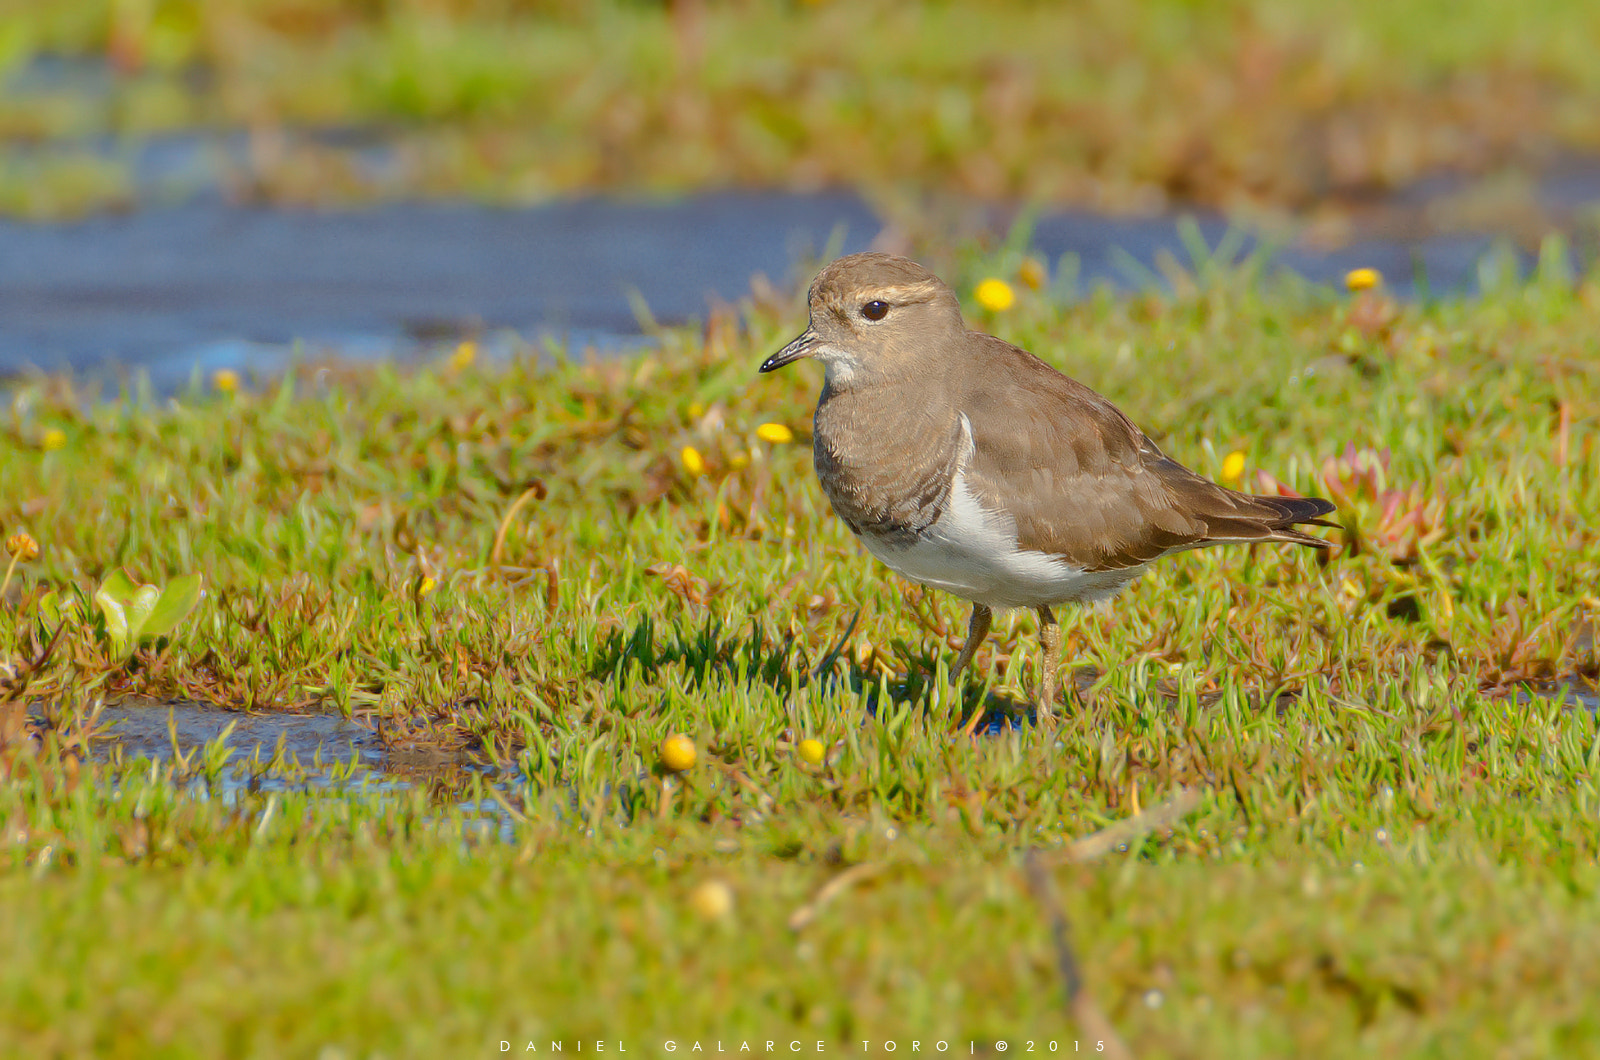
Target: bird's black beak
[(800, 347)]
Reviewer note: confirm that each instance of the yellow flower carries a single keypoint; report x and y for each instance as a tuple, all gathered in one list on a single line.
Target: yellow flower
[(738, 461), (465, 353), (712, 899), (1233, 466), (996, 295), (1033, 274), (776, 433), (811, 751), (22, 546), (426, 586), (54, 438), (693, 462), (1362, 279), (677, 753), (225, 380)]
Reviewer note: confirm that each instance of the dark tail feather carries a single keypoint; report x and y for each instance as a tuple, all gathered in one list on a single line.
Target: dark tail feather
[(1294, 511), (1272, 519), (1240, 518)]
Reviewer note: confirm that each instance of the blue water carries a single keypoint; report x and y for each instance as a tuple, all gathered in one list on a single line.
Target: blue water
[(216, 285), (200, 284)]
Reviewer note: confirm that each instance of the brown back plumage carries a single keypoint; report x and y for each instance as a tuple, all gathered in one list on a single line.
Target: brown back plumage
[(1084, 483)]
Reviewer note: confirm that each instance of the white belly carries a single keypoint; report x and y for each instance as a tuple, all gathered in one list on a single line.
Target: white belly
[(973, 553)]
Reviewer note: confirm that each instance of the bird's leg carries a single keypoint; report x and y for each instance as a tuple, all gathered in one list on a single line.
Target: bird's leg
[(977, 629), (1050, 664)]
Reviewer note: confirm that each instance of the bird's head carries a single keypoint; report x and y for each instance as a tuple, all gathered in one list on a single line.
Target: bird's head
[(875, 316)]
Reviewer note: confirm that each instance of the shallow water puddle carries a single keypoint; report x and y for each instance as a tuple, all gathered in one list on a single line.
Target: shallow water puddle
[(1570, 691), (156, 730), (324, 753), (320, 752)]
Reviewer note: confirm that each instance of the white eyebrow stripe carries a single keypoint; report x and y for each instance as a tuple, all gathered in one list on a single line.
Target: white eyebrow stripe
[(902, 292)]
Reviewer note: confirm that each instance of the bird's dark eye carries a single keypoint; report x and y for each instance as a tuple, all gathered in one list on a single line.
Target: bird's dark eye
[(875, 310)]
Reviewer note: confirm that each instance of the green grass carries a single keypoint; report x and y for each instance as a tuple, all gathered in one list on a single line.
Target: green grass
[(1392, 854), (167, 927), (1127, 106)]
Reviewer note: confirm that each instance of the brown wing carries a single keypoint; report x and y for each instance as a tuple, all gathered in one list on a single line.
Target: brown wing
[(1085, 484)]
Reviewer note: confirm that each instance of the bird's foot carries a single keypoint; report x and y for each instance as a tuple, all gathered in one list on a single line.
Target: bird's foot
[(1044, 709)]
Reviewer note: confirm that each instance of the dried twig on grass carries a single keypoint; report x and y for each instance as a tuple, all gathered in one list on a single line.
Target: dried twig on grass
[(831, 890), (1182, 803), (536, 491), (764, 802), (1081, 1007)]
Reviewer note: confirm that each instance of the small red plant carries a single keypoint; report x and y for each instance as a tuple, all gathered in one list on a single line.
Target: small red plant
[(1395, 521)]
